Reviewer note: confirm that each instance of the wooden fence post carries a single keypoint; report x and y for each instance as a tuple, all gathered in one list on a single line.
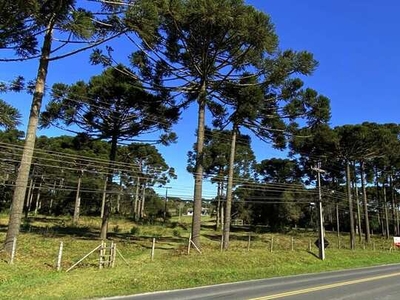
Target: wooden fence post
[(292, 243), (248, 243)]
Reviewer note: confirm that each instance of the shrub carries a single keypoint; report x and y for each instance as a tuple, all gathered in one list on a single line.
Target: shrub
[(135, 230)]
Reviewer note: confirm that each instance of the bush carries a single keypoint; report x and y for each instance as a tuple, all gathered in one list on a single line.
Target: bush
[(135, 230), (176, 233)]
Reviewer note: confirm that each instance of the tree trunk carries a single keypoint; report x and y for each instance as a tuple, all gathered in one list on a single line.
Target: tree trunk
[(141, 213), (218, 213), (37, 205), (365, 204), (229, 189), (397, 213), (337, 220), (53, 195), (107, 204), (351, 213), (28, 209), (14, 222), (387, 230), (198, 176), (222, 206), (28, 198), (359, 228), (380, 207), (136, 201), (78, 199), (395, 232), (103, 199), (119, 195)]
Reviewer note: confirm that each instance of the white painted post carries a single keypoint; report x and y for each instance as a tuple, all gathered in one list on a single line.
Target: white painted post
[(101, 255), (114, 255), (272, 244), (292, 243), (189, 244), (152, 249), (60, 251)]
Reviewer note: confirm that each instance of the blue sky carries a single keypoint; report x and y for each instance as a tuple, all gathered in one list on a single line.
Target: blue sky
[(356, 43)]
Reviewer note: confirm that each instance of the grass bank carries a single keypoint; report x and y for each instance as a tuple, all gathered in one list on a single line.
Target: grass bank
[(33, 275)]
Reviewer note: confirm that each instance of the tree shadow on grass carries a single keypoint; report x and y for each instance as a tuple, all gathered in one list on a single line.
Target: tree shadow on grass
[(61, 231)]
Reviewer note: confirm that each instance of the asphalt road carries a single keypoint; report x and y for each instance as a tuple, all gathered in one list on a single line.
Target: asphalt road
[(366, 284)]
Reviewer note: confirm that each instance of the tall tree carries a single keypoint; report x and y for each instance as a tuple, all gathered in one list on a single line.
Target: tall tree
[(203, 44), (148, 169), (359, 143), (272, 108), (40, 21), (217, 152), (110, 107)]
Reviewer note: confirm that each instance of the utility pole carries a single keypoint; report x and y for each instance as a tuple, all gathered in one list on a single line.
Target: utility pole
[(165, 202), (321, 231)]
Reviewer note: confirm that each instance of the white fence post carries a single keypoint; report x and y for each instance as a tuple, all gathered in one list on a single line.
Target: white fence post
[(60, 251)]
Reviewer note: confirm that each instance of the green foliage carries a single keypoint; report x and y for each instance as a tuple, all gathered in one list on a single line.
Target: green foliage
[(10, 117), (23, 23), (279, 170), (217, 151), (148, 163), (111, 105), (135, 230), (116, 229), (15, 30)]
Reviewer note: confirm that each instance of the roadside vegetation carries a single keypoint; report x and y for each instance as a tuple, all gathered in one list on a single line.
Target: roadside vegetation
[(34, 276), (103, 178)]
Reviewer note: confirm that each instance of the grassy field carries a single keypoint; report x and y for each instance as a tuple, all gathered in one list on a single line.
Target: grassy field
[(33, 274)]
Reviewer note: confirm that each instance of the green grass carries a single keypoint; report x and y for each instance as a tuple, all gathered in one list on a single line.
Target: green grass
[(33, 275)]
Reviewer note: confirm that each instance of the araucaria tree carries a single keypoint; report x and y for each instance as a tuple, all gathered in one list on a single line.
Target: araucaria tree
[(217, 153), (41, 21), (110, 107), (9, 116), (201, 44), (270, 108)]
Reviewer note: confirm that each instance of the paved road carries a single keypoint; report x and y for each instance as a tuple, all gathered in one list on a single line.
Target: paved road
[(367, 284)]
